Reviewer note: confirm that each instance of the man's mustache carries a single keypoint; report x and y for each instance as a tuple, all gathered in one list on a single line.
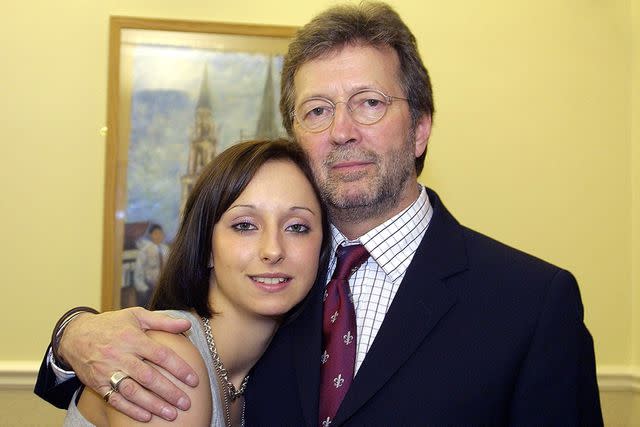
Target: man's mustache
[(350, 154)]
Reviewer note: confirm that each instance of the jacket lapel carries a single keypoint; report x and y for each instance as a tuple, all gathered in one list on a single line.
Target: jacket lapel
[(306, 339), (421, 301)]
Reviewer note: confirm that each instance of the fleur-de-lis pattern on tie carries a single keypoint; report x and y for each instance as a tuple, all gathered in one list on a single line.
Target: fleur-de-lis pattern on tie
[(338, 333)]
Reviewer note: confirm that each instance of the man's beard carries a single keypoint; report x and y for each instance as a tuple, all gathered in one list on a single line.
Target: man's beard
[(384, 186)]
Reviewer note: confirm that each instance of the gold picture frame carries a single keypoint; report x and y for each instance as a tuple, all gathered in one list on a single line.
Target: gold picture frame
[(160, 71)]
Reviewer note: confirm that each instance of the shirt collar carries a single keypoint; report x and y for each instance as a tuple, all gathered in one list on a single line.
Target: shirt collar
[(393, 237)]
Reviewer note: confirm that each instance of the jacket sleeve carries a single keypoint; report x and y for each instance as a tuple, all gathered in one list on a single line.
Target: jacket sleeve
[(557, 382), (48, 388)]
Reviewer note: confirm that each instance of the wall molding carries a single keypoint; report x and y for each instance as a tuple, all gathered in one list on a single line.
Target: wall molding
[(618, 378), (18, 374)]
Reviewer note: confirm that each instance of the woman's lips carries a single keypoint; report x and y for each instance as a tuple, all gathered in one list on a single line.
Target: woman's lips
[(271, 282)]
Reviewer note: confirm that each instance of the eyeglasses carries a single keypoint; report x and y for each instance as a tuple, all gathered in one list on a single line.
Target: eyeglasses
[(366, 107)]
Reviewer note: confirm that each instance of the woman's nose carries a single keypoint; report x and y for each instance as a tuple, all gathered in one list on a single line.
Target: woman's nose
[(271, 249)]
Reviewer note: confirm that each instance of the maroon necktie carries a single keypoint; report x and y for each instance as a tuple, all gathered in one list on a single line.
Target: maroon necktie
[(338, 333)]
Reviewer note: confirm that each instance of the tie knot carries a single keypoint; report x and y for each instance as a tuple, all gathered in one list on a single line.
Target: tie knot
[(349, 259)]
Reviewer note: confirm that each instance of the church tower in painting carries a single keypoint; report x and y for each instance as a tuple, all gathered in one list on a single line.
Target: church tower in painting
[(266, 127), (203, 146)]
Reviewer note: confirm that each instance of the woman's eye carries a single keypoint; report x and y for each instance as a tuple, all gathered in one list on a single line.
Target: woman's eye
[(243, 226), (298, 228)]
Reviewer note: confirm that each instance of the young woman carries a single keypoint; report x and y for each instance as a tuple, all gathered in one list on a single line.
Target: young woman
[(252, 238)]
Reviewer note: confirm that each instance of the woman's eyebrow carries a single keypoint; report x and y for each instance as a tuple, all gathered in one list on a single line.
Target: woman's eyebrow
[(292, 208)]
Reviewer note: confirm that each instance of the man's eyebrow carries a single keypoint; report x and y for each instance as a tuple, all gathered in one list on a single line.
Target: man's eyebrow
[(353, 90)]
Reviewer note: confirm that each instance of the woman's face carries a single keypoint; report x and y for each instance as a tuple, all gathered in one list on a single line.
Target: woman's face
[(266, 246)]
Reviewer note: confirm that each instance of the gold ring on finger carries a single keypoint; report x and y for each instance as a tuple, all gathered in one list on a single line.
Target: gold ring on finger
[(117, 378), (108, 394)]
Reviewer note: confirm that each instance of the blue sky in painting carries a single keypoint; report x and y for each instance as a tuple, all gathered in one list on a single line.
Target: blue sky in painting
[(165, 88)]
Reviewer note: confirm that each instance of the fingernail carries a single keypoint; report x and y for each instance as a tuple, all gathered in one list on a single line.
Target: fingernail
[(169, 414), (183, 403), (192, 380)]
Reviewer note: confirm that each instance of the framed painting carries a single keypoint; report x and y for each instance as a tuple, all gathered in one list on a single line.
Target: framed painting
[(178, 93)]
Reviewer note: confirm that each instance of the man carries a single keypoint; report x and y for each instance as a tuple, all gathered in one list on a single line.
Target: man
[(149, 262), (453, 328)]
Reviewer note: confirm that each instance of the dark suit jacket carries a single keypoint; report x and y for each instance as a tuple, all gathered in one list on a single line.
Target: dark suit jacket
[(479, 334), (59, 395)]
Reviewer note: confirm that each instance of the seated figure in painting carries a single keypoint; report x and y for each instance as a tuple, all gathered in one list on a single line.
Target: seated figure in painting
[(151, 258)]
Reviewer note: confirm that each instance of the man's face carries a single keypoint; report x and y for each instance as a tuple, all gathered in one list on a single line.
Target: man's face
[(363, 171), (157, 236)]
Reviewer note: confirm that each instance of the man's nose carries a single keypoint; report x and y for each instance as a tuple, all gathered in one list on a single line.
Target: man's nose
[(343, 129)]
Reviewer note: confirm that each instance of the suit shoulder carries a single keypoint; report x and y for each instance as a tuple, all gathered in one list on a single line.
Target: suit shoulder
[(486, 252), (503, 273)]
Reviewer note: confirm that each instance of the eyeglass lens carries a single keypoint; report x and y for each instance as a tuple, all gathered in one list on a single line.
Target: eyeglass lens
[(365, 107)]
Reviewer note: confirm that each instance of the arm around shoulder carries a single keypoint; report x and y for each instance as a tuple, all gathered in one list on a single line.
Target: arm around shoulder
[(199, 413)]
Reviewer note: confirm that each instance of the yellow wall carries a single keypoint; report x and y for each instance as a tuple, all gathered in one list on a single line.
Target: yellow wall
[(532, 143), (635, 168)]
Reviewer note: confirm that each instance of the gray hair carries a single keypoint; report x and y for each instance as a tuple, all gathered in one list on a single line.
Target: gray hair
[(369, 24)]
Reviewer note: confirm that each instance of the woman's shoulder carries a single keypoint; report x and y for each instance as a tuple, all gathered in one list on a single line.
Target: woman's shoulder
[(182, 314), (179, 343), (185, 345), (195, 334), (200, 396)]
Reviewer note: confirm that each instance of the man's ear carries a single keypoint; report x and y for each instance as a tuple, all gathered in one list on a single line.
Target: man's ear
[(422, 133)]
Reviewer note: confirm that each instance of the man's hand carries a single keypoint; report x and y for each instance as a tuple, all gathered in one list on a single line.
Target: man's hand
[(97, 345)]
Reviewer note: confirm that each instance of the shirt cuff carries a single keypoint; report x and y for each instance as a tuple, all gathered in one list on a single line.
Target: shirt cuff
[(60, 374)]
